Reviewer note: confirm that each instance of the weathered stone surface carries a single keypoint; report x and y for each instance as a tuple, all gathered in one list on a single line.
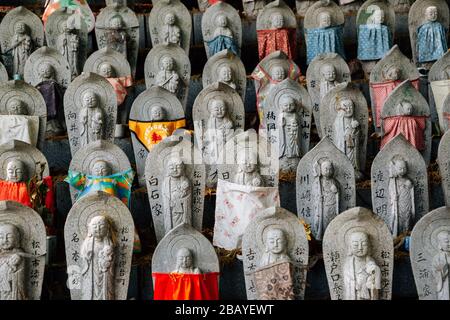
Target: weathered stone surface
[(439, 88), (443, 160), (107, 55), (3, 73)]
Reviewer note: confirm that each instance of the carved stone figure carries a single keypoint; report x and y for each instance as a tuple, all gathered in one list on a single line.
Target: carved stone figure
[(22, 33), (444, 166), (248, 171), (168, 66), (252, 8), (185, 266), (323, 74), (170, 23), (428, 22), (407, 112), (438, 90), (359, 256), (273, 267), (221, 29), (430, 255), (324, 22), (175, 185), (69, 45), (276, 30), (399, 185), (22, 252), (90, 107), (376, 27), (325, 186), (3, 73)]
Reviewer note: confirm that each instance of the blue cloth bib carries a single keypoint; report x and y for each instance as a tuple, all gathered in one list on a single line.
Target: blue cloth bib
[(324, 40), (373, 41), (431, 42), (220, 43)]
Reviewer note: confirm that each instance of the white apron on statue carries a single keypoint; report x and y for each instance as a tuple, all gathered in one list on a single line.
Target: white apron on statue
[(23, 128), (440, 90)]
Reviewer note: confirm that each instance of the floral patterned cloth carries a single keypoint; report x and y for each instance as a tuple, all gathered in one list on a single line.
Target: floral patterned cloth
[(120, 86), (324, 40), (276, 39), (373, 41), (440, 91), (431, 42), (275, 282), (236, 206)]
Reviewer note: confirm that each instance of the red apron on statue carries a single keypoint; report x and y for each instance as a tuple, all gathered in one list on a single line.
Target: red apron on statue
[(15, 191), (276, 39), (380, 93), (183, 286), (412, 128), (120, 86)]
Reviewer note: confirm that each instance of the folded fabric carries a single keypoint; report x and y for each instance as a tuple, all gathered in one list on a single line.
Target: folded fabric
[(411, 127), (271, 40), (183, 286), (220, 43), (118, 184), (431, 41), (120, 85), (53, 96), (324, 40), (275, 282), (381, 91), (374, 40), (18, 127), (236, 206), (150, 133), (15, 191), (440, 90)]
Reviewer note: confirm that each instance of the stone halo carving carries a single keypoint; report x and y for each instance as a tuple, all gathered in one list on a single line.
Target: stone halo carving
[(56, 22), (273, 222), (22, 14), (108, 55), (26, 93), (53, 58), (128, 16), (276, 58), (263, 21), (438, 66), (3, 73), (399, 94), (312, 14), (28, 154)]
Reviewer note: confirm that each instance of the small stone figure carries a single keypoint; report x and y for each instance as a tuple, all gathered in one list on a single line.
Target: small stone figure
[(15, 171), (223, 37), (252, 8), (226, 76), (290, 126), (431, 41), (53, 96), (248, 171), (347, 132), (97, 253), (116, 36), (21, 47), (91, 118), (326, 189), (374, 37), (185, 262), (157, 113), (177, 194), (68, 44), (441, 266), (362, 275), (171, 33), (276, 248), (12, 264), (16, 107), (401, 197), (328, 79), (219, 129), (167, 77)]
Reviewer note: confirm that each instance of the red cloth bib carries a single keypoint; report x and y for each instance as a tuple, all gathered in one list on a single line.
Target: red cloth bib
[(182, 286), (276, 39), (412, 128), (15, 191)]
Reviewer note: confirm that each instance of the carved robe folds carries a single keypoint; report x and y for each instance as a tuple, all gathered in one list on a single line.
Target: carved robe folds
[(373, 41), (177, 201), (381, 92), (412, 128), (440, 268), (324, 40), (276, 39), (361, 282), (184, 286), (275, 282), (431, 42), (12, 275)]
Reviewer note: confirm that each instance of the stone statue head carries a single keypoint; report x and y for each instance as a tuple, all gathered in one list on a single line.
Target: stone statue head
[(105, 69), (288, 103), (16, 107), (324, 19), (398, 167), (324, 168), (225, 73), (275, 241), (167, 63), (98, 227), (443, 239), (185, 259), (15, 171), (405, 108), (89, 99), (101, 169), (221, 21), (174, 81), (328, 72), (277, 73), (359, 245), (170, 19), (157, 113), (346, 107), (46, 71), (391, 73), (97, 122), (175, 167), (277, 20), (116, 22), (431, 13), (247, 162), (218, 108), (20, 28), (377, 17), (9, 237)]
